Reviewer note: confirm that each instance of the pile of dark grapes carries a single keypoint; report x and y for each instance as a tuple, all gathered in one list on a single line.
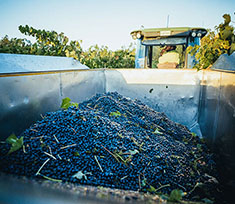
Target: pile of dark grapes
[(111, 141)]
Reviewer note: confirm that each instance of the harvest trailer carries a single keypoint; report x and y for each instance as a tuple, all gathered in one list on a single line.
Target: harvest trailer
[(202, 100), (166, 47)]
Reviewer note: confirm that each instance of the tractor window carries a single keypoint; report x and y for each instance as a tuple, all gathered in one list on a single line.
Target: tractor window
[(168, 56)]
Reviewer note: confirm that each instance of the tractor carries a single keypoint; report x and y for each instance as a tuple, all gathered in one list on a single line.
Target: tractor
[(165, 48)]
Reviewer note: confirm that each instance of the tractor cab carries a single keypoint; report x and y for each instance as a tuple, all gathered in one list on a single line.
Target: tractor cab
[(165, 48)]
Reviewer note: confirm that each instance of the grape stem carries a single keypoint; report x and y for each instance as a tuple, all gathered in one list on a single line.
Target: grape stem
[(49, 178), (110, 153), (73, 130), (163, 186), (98, 163), (42, 166), (56, 139), (139, 182), (50, 155), (68, 146)]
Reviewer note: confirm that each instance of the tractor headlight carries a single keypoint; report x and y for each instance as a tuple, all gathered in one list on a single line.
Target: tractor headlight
[(138, 35), (199, 35), (194, 34), (134, 36)]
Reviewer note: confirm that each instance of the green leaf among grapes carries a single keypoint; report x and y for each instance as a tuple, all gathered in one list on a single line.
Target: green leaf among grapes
[(11, 139), (176, 195), (66, 103), (115, 114), (74, 104), (194, 134), (157, 132), (152, 189), (15, 143)]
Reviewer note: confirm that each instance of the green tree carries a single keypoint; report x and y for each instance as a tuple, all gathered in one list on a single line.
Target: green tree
[(102, 57), (15, 45), (57, 44), (47, 43), (52, 43), (214, 44), (226, 32)]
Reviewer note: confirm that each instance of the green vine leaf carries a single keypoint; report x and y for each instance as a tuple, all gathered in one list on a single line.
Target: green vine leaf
[(11, 139), (152, 189), (74, 104), (176, 195), (157, 131), (66, 103), (15, 143), (115, 114)]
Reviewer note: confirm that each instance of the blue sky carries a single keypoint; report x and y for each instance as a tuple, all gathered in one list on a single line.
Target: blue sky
[(108, 22)]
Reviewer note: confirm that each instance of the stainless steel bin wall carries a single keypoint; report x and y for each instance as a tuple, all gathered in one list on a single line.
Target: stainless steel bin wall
[(217, 119)]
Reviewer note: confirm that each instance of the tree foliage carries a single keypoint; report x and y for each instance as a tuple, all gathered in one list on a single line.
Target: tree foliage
[(47, 43), (102, 57), (214, 44), (15, 45), (57, 44)]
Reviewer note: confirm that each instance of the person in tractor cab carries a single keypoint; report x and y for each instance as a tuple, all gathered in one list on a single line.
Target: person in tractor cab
[(169, 58)]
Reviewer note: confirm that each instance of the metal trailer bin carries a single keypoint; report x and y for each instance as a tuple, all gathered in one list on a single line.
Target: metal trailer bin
[(204, 100)]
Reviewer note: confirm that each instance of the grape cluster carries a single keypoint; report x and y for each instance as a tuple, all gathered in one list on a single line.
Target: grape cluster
[(111, 141)]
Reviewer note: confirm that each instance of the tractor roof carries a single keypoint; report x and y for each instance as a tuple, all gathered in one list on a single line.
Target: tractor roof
[(168, 32)]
